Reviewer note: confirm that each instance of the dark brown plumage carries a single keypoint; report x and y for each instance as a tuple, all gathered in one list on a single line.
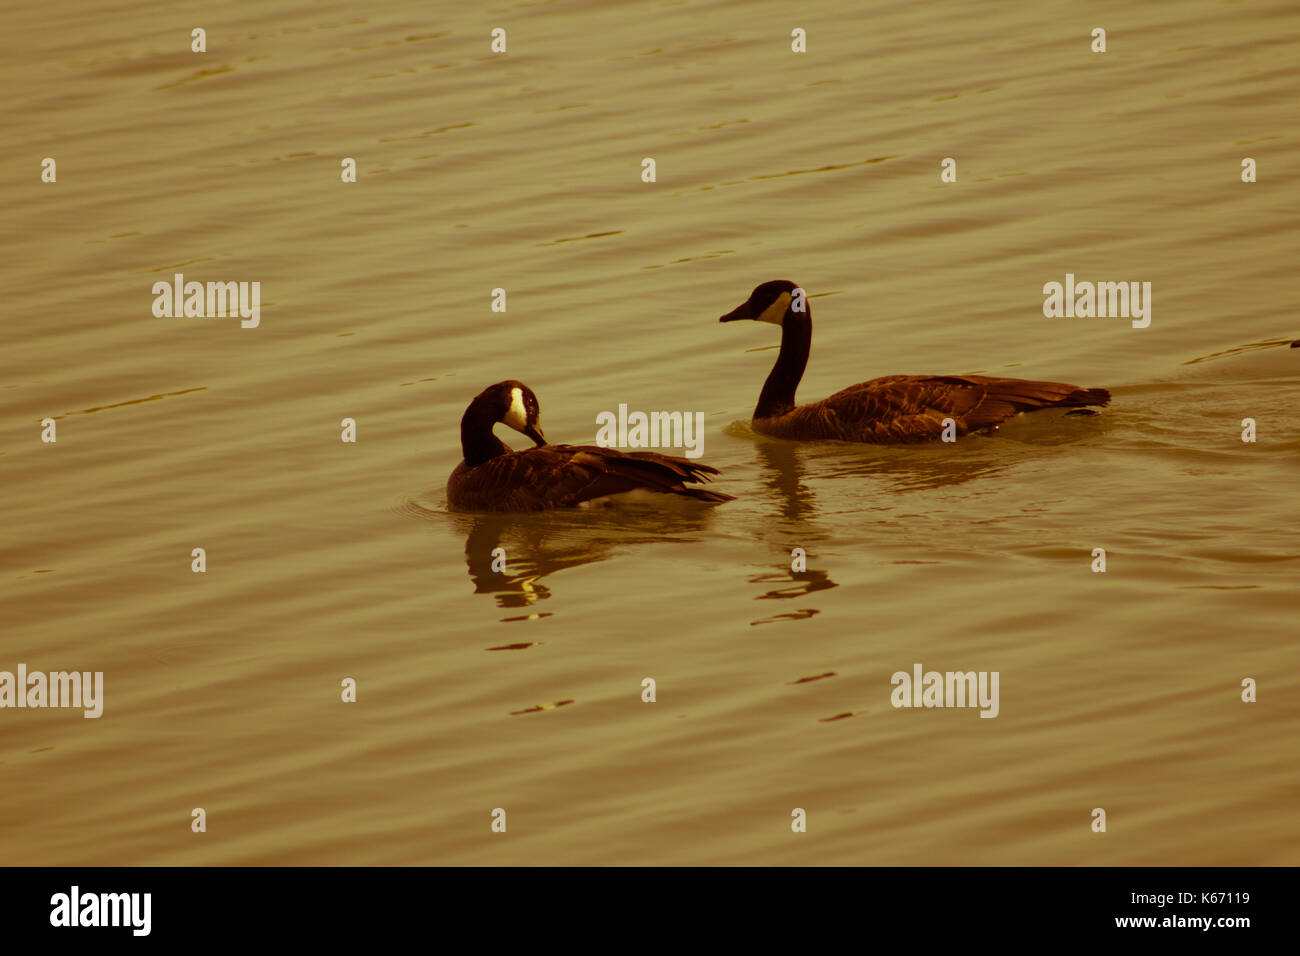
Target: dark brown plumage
[(494, 478), (893, 409)]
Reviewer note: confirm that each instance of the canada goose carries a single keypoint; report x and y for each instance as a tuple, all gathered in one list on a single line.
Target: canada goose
[(892, 409), (494, 478)]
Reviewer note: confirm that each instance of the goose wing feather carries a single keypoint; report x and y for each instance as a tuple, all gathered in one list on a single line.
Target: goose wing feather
[(901, 408), (561, 476)]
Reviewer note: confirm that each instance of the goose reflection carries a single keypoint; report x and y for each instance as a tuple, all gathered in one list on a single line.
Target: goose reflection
[(509, 559), (922, 466), (782, 475), (808, 481), (795, 474), (791, 584), (509, 556)]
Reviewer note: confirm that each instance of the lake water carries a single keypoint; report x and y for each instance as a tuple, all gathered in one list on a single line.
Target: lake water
[(328, 560)]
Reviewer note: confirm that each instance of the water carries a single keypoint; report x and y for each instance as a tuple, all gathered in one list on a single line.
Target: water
[(329, 560)]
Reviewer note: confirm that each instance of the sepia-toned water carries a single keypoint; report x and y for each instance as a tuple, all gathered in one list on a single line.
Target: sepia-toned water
[(522, 690)]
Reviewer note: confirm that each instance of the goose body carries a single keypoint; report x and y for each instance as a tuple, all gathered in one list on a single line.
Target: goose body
[(893, 409), (493, 478)]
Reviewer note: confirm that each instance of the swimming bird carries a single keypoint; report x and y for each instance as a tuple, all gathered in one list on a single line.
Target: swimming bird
[(494, 478), (889, 410)]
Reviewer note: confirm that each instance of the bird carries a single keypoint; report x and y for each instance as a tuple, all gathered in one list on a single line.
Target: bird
[(893, 409), (493, 478)]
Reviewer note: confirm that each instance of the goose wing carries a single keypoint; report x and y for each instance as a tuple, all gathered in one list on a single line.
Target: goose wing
[(589, 471), (561, 476), (900, 408)]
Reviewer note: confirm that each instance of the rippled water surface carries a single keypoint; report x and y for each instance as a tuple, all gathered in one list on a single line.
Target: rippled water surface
[(522, 690)]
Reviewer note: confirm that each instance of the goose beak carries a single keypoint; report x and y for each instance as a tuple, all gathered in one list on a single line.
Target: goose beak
[(739, 312), (534, 432)]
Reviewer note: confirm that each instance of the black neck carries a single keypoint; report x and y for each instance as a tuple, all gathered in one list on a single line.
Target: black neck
[(476, 439), (777, 396)]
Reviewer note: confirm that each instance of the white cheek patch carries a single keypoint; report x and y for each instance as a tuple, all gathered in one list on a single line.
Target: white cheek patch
[(775, 313), (516, 416)]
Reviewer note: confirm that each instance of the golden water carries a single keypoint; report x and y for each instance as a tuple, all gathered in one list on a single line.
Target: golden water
[(522, 171)]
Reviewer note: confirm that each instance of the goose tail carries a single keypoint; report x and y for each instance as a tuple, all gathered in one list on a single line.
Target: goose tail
[(1082, 397)]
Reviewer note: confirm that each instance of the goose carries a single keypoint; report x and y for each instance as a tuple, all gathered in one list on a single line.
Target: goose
[(893, 409), (493, 478)]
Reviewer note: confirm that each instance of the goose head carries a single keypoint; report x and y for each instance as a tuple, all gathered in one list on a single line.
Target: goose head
[(513, 403), (770, 302)]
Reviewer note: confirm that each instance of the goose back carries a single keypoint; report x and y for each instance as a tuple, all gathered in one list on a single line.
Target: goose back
[(564, 476), (912, 408)]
